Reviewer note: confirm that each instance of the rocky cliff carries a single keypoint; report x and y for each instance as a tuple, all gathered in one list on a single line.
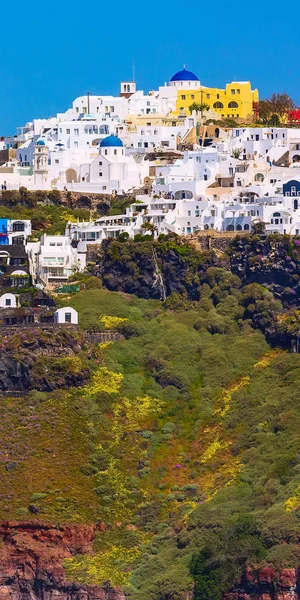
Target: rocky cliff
[(33, 358), (266, 584), (31, 562)]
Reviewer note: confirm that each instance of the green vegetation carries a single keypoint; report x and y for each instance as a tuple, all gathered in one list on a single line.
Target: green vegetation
[(184, 441), (46, 218)]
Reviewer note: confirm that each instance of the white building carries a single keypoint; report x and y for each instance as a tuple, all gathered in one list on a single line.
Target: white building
[(53, 259), (8, 301), (66, 315)]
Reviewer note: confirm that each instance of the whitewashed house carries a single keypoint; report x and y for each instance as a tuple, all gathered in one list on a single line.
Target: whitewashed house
[(66, 315)]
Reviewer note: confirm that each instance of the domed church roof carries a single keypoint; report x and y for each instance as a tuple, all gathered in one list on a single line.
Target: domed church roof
[(185, 75), (112, 141)]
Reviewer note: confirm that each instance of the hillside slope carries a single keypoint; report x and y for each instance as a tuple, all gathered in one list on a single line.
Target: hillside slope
[(173, 469)]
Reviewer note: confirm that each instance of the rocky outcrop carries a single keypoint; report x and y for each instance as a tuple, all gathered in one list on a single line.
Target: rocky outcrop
[(266, 584), (272, 261), (31, 562), (29, 360), (131, 267)]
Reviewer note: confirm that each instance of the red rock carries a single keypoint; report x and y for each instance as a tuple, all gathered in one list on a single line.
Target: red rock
[(249, 575), (265, 597), (288, 579), (287, 595), (34, 552), (266, 575)]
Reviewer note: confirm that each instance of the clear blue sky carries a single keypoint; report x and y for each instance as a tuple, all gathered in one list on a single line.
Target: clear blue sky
[(51, 52)]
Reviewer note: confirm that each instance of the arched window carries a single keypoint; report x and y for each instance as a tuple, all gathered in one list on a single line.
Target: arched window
[(233, 105), (238, 227), (229, 228), (293, 190), (246, 227), (218, 105), (276, 214), (128, 88), (259, 177)]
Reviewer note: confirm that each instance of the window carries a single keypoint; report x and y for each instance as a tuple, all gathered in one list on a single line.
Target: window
[(233, 105), (68, 131), (68, 318), (239, 184), (56, 161), (100, 174), (218, 96), (218, 105), (182, 97), (76, 131), (193, 98), (115, 152), (207, 96), (8, 302), (100, 163), (112, 109), (232, 92), (105, 152), (238, 91), (18, 227), (259, 177)]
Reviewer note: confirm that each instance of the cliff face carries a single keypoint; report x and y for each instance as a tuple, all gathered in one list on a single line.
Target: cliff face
[(37, 359), (273, 262), (265, 584), (134, 268), (31, 562)]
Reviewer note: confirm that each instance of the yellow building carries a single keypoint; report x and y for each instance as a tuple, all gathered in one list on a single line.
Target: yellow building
[(235, 102)]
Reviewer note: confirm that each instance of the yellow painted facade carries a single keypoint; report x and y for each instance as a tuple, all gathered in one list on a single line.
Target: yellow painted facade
[(236, 101)]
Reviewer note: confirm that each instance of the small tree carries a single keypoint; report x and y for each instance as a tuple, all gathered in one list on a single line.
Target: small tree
[(149, 227), (236, 152), (274, 121), (258, 228), (198, 107), (277, 104)]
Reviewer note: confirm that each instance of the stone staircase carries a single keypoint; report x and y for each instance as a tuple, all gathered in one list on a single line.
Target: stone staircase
[(283, 160)]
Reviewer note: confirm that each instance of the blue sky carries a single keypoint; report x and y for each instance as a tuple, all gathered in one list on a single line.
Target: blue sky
[(51, 52)]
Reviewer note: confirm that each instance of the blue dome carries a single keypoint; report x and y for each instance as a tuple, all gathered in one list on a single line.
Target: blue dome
[(41, 143), (111, 142), (184, 75)]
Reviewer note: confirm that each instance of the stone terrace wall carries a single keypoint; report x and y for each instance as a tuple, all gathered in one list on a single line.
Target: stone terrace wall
[(214, 240)]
